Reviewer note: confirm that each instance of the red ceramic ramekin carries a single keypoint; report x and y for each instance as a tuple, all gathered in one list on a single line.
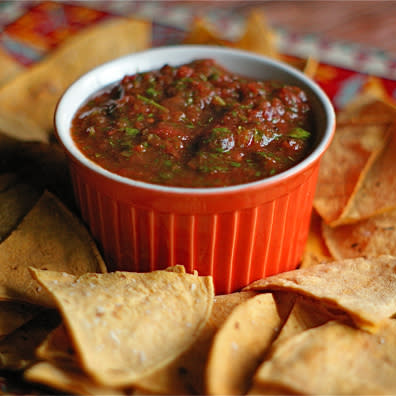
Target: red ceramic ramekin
[(236, 234)]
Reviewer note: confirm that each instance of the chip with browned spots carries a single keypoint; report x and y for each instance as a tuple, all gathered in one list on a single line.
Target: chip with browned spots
[(369, 238), (187, 373), (242, 341), (51, 237), (377, 191), (333, 359), (125, 325), (365, 289), (27, 102), (344, 165), (367, 108)]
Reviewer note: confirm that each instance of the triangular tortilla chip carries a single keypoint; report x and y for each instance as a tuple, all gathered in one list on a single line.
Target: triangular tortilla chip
[(48, 237), (14, 204), (256, 26), (316, 251), (39, 164), (202, 32), (343, 166), (14, 315), (242, 341), (377, 192), (186, 374), (305, 315), (367, 108), (369, 238), (124, 325), (57, 348), (347, 285), (67, 379), (334, 359), (31, 97), (17, 350)]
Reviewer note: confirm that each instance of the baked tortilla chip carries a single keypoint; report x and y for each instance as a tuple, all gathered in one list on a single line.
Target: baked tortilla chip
[(369, 238), (377, 192), (256, 26), (67, 379), (202, 32), (185, 375), (50, 237), (17, 350), (364, 288), (367, 108), (316, 251), (9, 67), (305, 315), (57, 348), (124, 325), (39, 164), (15, 202), (343, 166), (334, 359), (14, 315), (242, 341), (43, 84)]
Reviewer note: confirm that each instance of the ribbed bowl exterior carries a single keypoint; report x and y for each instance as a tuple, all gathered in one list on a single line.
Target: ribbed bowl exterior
[(236, 246)]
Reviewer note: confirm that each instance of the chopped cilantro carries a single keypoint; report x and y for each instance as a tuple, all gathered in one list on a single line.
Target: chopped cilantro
[(152, 102), (131, 131), (299, 133)]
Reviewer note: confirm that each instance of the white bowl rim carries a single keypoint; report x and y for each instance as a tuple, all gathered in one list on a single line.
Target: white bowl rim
[(64, 136)]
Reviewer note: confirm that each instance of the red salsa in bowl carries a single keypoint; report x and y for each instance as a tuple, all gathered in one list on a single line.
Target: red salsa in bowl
[(195, 125)]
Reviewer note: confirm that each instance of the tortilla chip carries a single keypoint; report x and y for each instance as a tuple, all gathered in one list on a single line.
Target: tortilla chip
[(369, 238), (346, 285), (367, 108), (242, 341), (13, 315), (67, 379), (43, 84), (343, 166), (124, 325), (9, 67), (334, 359), (14, 204), (185, 375), (48, 237), (39, 164), (17, 350), (305, 315), (57, 347), (256, 26), (202, 32), (316, 251), (377, 192), (181, 376)]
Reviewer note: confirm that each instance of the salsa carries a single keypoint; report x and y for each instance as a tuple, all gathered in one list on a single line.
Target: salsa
[(195, 125)]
